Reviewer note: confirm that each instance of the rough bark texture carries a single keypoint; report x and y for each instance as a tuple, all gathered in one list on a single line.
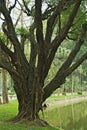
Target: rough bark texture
[(29, 74), (4, 87)]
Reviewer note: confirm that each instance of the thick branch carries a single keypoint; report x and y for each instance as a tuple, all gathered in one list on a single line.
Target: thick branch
[(74, 51), (33, 45), (65, 69), (9, 30), (32, 54), (5, 49), (58, 40), (39, 37), (11, 34), (38, 21), (5, 62)]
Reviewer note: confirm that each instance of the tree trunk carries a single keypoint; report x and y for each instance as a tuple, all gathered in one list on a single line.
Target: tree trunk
[(29, 100), (4, 87)]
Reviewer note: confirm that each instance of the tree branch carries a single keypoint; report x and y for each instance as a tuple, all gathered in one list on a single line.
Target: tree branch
[(5, 49), (65, 69), (63, 33), (27, 11), (11, 34), (76, 65), (5, 62), (13, 6), (8, 26), (75, 50), (62, 5), (39, 37)]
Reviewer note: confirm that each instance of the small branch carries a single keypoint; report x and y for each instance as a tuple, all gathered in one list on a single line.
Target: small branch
[(5, 49), (76, 65), (13, 6), (18, 19), (71, 38), (27, 10)]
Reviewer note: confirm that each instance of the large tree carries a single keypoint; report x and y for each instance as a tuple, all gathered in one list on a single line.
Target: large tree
[(29, 74)]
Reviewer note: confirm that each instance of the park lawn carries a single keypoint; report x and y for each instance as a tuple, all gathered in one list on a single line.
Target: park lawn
[(8, 111)]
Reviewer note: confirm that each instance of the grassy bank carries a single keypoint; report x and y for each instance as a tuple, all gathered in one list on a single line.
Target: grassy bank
[(67, 96), (8, 111)]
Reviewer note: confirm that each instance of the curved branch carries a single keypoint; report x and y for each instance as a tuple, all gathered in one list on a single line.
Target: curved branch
[(5, 49), (13, 6)]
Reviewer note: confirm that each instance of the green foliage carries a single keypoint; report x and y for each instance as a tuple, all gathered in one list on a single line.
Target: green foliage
[(3, 37), (22, 31), (52, 2)]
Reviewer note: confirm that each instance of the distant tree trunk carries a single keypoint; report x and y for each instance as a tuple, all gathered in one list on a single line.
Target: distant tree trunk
[(4, 87)]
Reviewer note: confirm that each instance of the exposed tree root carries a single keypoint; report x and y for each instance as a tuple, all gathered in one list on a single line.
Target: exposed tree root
[(36, 122)]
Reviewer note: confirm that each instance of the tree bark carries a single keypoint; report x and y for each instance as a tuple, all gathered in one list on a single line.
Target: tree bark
[(29, 97), (4, 87)]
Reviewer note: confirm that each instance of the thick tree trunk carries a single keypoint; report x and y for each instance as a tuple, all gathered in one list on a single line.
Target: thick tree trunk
[(29, 100)]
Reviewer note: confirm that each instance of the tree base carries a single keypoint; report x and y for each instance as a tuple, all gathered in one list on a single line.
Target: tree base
[(36, 122)]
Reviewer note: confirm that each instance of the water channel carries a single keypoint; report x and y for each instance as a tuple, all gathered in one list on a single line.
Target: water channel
[(70, 117)]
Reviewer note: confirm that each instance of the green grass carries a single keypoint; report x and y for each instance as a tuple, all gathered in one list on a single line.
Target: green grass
[(8, 111)]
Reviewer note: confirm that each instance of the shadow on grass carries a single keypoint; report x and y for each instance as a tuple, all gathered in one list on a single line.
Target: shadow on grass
[(44, 128), (11, 126)]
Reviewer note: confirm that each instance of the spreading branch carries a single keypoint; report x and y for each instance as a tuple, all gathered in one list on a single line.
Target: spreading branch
[(66, 68), (63, 33)]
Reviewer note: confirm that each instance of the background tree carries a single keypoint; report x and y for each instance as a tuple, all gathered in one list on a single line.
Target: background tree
[(4, 87), (29, 73)]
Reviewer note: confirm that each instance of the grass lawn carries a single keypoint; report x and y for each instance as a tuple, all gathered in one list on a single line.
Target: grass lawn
[(8, 111)]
